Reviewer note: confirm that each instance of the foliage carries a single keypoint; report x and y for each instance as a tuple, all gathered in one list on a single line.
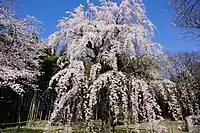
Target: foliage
[(141, 67), (48, 67), (42, 98)]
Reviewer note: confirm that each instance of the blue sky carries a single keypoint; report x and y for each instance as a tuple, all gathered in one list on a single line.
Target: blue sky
[(50, 11)]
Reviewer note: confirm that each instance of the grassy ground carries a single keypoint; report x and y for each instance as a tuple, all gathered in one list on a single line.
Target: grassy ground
[(39, 127)]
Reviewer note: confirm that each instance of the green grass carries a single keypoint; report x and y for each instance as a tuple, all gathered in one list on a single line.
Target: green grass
[(22, 130), (27, 129), (39, 127)]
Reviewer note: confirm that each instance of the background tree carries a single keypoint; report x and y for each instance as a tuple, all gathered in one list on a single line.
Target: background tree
[(186, 76), (19, 60), (187, 15), (18, 53)]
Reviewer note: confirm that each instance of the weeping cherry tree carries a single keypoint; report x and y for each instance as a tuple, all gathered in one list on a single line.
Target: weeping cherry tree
[(101, 42)]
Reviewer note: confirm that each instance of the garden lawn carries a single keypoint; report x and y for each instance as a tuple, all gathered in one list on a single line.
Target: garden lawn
[(39, 127)]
